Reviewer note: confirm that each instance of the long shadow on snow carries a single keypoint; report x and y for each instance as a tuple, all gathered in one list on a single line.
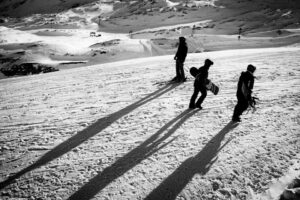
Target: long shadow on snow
[(131, 159), (87, 133), (199, 164)]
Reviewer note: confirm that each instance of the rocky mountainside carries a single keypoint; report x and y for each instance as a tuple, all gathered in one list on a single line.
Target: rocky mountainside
[(21, 8), (249, 14)]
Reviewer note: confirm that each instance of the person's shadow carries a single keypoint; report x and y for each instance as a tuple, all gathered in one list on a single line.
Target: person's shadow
[(199, 164), (87, 133), (156, 142)]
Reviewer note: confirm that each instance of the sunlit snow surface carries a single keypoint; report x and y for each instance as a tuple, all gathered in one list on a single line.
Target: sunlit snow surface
[(119, 131)]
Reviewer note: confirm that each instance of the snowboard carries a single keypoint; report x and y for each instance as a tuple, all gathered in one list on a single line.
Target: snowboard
[(209, 85), (212, 87)]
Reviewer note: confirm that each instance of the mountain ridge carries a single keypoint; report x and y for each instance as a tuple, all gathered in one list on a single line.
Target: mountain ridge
[(226, 14)]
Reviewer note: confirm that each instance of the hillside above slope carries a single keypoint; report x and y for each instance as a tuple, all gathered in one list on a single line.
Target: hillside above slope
[(226, 15), (61, 34)]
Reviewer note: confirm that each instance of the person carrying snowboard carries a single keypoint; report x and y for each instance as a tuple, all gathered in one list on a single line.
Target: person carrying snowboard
[(200, 85), (180, 58), (244, 92)]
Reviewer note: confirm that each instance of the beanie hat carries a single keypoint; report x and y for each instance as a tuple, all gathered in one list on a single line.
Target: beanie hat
[(181, 39), (208, 62), (251, 68)]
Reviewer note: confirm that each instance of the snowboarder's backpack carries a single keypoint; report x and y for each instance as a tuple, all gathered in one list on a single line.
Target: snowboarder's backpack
[(194, 71)]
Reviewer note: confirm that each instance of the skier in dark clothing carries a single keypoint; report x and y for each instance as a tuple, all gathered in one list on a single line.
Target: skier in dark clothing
[(180, 58), (240, 33), (200, 85), (244, 92)]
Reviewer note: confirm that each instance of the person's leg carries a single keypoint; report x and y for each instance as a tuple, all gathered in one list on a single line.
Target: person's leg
[(241, 106), (182, 75), (237, 112), (177, 70), (194, 97), (202, 97), (244, 106)]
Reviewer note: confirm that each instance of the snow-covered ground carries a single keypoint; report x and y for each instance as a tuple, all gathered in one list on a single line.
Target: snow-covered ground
[(177, 26), (171, 4), (76, 41), (119, 131)]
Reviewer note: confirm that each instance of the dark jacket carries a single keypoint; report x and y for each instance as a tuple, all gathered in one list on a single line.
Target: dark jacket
[(245, 85), (202, 76), (181, 52)]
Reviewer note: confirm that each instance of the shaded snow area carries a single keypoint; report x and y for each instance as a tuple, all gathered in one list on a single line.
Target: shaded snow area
[(119, 131)]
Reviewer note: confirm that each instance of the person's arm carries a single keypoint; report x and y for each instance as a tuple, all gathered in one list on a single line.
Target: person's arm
[(177, 53), (251, 84)]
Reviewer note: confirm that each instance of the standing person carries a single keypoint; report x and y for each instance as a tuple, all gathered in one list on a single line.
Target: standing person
[(244, 91), (180, 58), (240, 31), (200, 85), (193, 30)]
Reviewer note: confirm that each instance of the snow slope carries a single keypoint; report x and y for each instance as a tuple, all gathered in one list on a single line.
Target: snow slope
[(118, 131)]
